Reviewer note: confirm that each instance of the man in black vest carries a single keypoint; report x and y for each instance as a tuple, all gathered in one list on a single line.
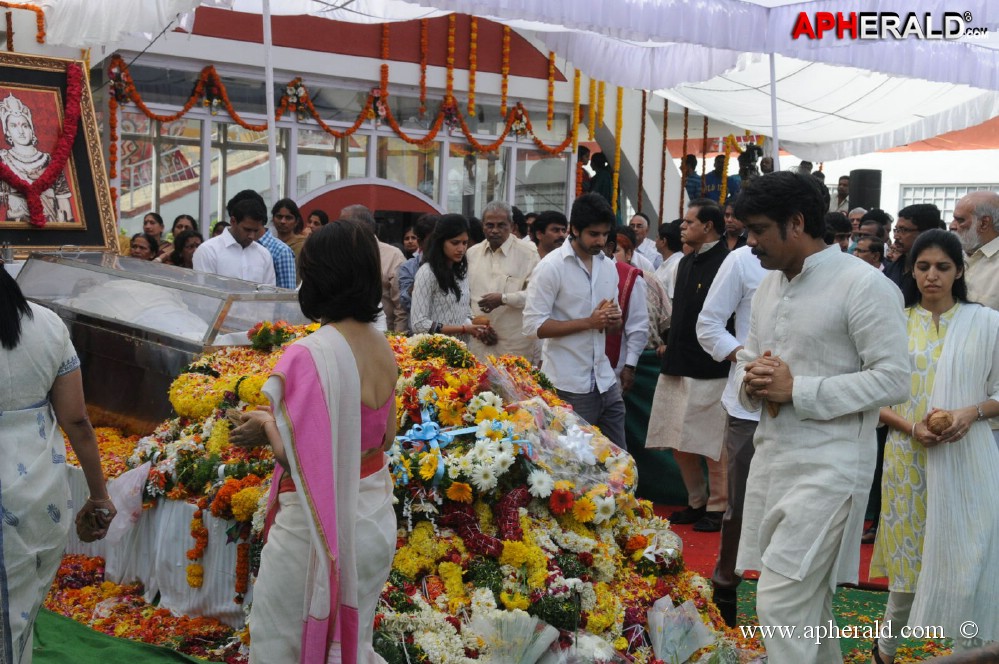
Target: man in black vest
[(687, 415)]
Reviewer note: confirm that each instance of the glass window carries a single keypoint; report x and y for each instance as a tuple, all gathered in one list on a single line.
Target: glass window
[(541, 180), (475, 179), (945, 197), (323, 159), (246, 164), (410, 165)]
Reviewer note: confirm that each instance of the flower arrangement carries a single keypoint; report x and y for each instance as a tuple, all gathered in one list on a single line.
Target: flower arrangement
[(115, 449)]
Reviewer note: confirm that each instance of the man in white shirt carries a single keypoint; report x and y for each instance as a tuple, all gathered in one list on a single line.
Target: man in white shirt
[(824, 360), (646, 246), (549, 231), (670, 247), (571, 302), (498, 270), (731, 294), (391, 259), (235, 253)]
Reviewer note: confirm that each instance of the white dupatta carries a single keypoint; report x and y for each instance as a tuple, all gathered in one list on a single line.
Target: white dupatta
[(959, 577)]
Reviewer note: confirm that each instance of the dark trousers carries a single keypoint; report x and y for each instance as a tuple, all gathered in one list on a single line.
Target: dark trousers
[(739, 447), (874, 499)]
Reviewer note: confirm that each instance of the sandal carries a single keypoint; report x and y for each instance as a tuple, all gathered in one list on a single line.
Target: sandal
[(876, 655)]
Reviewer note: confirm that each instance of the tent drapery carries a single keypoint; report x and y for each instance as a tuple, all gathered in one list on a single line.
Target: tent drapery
[(836, 98)]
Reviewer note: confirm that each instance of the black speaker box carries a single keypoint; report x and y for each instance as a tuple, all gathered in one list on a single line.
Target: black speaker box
[(865, 188)]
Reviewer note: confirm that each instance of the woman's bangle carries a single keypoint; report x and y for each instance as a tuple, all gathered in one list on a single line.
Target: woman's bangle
[(913, 434), (981, 413)]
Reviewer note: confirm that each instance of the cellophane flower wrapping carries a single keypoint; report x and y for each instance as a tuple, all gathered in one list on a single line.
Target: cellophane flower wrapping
[(677, 632), (512, 637)]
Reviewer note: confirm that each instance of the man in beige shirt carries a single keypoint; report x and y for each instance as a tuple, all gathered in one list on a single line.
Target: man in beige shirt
[(391, 259), (976, 223), (498, 270)]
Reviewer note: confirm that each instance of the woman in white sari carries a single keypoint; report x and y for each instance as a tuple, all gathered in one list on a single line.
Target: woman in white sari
[(40, 390), (329, 549), (938, 539)]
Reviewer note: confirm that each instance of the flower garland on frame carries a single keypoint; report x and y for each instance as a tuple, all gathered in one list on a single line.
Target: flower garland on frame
[(32, 191), (449, 89), (618, 124), (473, 63), (385, 57), (591, 109), (39, 20)]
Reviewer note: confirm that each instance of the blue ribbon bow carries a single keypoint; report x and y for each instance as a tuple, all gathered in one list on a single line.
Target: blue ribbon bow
[(430, 434)]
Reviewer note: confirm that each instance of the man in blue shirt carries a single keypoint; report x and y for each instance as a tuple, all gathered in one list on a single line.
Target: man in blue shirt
[(713, 182)]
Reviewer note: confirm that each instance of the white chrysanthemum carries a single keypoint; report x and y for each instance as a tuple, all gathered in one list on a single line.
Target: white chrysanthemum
[(485, 426), (466, 464), (502, 462), (540, 484), (453, 471), (506, 447), (605, 508), (484, 478), (425, 394), (492, 399)]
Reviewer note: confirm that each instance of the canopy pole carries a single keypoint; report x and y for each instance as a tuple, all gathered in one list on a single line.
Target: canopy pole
[(269, 99), (773, 111)]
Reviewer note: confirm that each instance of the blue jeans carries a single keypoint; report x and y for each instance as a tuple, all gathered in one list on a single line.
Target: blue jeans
[(604, 410)]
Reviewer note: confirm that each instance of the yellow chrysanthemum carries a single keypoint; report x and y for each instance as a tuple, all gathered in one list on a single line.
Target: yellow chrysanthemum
[(460, 492), (195, 575), (428, 466), (515, 601), (249, 390), (584, 510), (451, 413), (486, 413), (245, 502), (219, 440), (565, 485)]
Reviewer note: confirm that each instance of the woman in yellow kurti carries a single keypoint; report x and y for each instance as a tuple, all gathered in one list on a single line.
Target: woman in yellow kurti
[(936, 541)]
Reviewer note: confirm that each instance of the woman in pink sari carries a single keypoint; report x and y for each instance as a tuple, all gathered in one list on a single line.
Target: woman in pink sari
[(331, 536)]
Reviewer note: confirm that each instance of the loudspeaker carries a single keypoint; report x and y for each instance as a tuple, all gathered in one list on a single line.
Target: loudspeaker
[(865, 188)]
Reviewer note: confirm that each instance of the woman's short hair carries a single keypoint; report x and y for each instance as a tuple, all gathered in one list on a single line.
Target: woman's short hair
[(292, 207), (179, 242), (154, 244), (948, 243), (341, 273)]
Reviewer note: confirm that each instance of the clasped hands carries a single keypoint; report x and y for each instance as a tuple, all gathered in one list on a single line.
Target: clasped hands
[(606, 315), (248, 426), (768, 377), (963, 418), (94, 519)]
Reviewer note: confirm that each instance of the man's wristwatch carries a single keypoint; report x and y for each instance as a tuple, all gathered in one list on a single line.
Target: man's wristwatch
[(981, 413), (503, 298), (629, 366)]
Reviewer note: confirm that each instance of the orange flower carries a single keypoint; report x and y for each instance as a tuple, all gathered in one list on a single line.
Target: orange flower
[(636, 543), (460, 492)]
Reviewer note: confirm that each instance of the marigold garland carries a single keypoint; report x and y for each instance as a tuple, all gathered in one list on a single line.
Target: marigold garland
[(424, 42), (618, 124), (505, 69), (641, 150), (39, 21), (32, 191), (473, 62), (242, 571), (662, 168), (601, 98), (551, 88), (575, 109), (449, 88), (683, 179), (385, 57), (591, 108), (730, 144)]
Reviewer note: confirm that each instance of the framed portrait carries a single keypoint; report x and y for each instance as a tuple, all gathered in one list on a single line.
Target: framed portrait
[(54, 192)]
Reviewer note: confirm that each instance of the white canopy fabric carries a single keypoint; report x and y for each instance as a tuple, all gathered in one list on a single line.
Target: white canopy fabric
[(835, 98)]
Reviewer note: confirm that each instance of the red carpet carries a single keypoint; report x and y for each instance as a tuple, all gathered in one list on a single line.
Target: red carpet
[(700, 552)]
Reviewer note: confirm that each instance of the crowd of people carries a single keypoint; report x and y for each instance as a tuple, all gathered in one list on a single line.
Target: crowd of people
[(804, 345)]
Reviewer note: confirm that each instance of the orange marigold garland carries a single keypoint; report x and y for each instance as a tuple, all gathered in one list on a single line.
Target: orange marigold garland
[(39, 21), (601, 97), (505, 69), (385, 57), (551, 88), (641, 150), (576, 117), (591, 109), (449, 89), (618, 124), (242, 571), (662, 169), (473, 61), (424, 42)]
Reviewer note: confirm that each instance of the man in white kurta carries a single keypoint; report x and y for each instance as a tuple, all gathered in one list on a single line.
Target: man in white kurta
[(498, 270), (826, 348)]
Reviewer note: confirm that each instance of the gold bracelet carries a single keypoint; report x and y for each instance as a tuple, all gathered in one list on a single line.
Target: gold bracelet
[(981, 413)]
